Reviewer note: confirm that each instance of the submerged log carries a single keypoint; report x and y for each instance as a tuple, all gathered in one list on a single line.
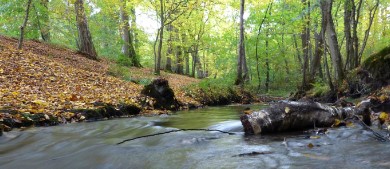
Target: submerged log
[(293, 116)]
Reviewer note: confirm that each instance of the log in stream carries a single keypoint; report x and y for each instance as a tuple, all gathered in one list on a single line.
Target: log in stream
[(293, 116)]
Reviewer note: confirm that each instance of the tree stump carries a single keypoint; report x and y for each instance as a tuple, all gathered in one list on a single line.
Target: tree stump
[(165, 97)]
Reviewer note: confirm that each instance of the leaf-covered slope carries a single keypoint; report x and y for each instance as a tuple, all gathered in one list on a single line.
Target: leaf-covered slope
[(47, 79), (39, 84)]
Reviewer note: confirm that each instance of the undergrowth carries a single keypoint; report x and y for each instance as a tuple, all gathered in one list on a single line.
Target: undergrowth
[(119, 71)]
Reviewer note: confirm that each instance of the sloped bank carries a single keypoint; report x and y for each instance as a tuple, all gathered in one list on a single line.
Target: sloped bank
[(156, 98)]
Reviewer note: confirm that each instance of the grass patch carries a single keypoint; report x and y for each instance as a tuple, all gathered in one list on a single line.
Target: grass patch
[(119, 71), (124, 61), (319, 89)]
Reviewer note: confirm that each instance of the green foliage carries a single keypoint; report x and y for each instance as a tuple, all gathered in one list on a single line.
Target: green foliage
[(319, 89), (124, 61), (143, 81), (210, 26), (119, 72)]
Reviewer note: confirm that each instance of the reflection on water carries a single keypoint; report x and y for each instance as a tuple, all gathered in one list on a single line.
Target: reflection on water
[(93, 145)]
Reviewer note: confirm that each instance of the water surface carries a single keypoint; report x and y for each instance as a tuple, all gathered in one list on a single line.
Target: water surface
[(93, 145)]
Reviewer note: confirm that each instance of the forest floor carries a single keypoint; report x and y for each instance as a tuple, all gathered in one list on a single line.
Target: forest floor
[(45, 82)]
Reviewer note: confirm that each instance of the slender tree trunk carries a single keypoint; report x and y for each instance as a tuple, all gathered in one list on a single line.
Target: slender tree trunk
[(43, 20), (187, 60), (158, 63), (242, 69), (179, 60), (319, 51), (347, 32), (326, 6), (168, 64), (85, 38), (356, 15), (179, 54), (298, 52), (127, 37), (367, 32), (330, 83), (194, 58), (305, 36), (124, 25), (257, 44), (133, 30), (316, 61), (267, 78), (20, 43)]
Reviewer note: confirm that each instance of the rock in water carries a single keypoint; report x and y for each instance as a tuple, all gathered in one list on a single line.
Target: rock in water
[(165, 97)]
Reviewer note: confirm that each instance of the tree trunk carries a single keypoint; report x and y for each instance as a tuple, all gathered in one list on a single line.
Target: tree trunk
[(257, 44), (179, 55), (316, 61), (367, 32), (267, 78), (292, 116), (133, 30), (128, 45), (158, 60), (85, 38), (330, 83), (326, 6), (298, 52), (347, 32), (319, 51), (168, 64), (43, 15), (187, 60), (356, 15), (305, 36), (20, 43), (242, 69)]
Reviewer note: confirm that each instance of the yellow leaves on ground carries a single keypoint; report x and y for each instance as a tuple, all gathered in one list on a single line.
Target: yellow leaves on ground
[(383, 116), (42, 78)]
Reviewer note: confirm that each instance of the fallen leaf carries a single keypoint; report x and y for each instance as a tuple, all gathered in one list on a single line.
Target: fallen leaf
[(287, 109), (315, 137)]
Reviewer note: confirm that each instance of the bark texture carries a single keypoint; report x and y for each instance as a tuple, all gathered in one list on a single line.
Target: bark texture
[(128, 48), (85, 43), (242, 69), (293, 116), (326, 7), (20, 43)]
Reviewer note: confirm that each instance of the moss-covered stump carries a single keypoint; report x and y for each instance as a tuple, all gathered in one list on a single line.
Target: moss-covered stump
[(165, 97)]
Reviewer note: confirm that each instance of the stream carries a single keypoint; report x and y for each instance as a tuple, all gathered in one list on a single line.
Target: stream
[(93, 145)]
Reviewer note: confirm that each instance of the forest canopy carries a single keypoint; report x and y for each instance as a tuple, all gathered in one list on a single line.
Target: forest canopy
[(285, 43)]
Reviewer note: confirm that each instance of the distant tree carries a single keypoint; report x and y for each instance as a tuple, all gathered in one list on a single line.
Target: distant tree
[(85, 43), (242, 68), (20, 43), (128, 47), (42, 14), (305, 37)]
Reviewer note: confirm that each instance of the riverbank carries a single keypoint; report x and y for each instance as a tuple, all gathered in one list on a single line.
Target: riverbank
[(45, 85)]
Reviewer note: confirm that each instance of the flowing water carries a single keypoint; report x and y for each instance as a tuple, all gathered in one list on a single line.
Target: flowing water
[(93, 145)]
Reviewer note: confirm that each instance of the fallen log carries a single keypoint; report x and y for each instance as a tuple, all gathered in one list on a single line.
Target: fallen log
[(293, 116)]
